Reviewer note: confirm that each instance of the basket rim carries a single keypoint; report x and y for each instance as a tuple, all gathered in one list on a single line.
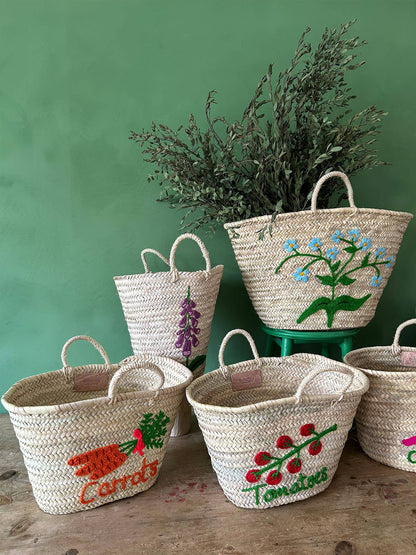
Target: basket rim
[(260, 219), (87, 403), (381, 373), (150, 275), (256, 407)]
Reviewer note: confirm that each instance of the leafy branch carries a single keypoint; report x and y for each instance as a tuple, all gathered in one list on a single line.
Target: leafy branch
[(293, 130)]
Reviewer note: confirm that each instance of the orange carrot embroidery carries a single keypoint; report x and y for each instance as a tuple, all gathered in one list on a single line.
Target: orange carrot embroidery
[(103, 460)]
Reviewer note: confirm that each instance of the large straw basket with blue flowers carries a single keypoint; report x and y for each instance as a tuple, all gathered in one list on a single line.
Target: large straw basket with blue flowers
[(318, 269)]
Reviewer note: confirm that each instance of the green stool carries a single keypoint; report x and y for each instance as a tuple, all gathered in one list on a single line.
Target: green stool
[(287, 338)]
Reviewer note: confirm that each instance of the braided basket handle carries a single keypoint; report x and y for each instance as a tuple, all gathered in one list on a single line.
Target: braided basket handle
[(67, 370), (223, 367), (396, 348), (152, 251), (312, 375), (201, 245), (325, 178), (131, 365)]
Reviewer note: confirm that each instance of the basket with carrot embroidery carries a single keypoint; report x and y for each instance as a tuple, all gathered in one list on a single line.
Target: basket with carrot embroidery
[(318, 269), (101, 461), (386, 417), (170, 313), (275, 427), (96, 433)]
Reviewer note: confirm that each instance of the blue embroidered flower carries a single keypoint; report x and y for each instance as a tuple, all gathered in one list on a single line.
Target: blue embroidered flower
[(315, 244), (301, 275), (365, 243), (332, 253), (290, 245), (337, 236), (390, 261), (354, 234), (375, 281), (380, 252)]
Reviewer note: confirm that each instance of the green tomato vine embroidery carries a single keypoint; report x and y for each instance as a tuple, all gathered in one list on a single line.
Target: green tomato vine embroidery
[(338, 274), (273, 465)]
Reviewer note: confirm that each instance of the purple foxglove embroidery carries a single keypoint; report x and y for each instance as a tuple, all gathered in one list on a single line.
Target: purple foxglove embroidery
[(188, 329)]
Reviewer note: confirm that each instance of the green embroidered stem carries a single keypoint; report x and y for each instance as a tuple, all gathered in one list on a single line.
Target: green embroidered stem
[(298, 254), (337, 276), (127, 447), (372, 264), (347, 241), (295, 451)]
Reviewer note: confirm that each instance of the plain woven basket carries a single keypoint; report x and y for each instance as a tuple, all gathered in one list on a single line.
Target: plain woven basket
[(170, 313), (386, 417), (275, 427), (84, 446), (318, 269)]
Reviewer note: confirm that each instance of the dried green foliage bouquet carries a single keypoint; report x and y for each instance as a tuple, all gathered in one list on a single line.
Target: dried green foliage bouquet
[(292, 132)]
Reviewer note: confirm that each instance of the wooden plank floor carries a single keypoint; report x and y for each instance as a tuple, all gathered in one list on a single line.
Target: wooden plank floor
[(369, 508)]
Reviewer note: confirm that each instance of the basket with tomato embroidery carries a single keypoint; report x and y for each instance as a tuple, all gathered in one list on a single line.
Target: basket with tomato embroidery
[(275, 428), (93, 434), (318, 269), (386, 417), (170, 313)]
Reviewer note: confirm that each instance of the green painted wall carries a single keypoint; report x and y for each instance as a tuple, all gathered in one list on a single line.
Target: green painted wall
[(76, 76)]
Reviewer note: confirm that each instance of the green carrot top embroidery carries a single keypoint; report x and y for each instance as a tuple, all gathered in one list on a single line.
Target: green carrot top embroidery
[(338, 273)]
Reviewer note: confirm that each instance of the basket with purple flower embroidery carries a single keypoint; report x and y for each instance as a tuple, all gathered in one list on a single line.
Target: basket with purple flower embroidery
[(275, 427), (170, 313), (318, 269), (386, 417)]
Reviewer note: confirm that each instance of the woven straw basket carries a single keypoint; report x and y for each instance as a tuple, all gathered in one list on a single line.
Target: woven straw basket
[(386, 417), (275, 427), (170, 313), (84, 446), (318, 269)]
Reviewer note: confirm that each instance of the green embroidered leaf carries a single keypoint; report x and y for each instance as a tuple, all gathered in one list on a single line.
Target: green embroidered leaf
[(153, 429), (345, 280), (365, 260), (196, 362), (336, 266), (318, 304), (326, 280), (331, 307), (351, 249), (345, 302)]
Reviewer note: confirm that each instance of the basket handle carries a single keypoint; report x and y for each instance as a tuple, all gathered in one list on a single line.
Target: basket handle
[(128, 367), (396, 348), (153, 251), (201, 245), (325, 178), (67, 370), (226, 339), (307, 379)]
